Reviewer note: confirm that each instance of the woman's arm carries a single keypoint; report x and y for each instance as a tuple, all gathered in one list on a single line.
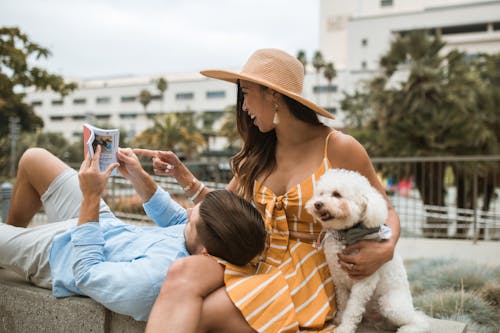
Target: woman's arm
[(347, 153)]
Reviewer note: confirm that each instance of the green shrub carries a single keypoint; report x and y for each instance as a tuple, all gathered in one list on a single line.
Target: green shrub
[(457, 290)]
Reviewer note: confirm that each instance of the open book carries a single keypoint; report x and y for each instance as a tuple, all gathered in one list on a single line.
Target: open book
[(108, 139)]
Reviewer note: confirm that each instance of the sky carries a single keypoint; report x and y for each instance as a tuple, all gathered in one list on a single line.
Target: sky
[(108, 38)]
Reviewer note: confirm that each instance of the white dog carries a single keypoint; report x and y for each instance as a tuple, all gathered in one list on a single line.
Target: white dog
[(350, 209)]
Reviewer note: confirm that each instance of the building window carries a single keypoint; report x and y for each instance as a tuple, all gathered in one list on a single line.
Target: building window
[(36, 103), (363, 64), (496, 25), (216, 94), (78, 117), (463, 29), (332, 110), (57, 118), (156, 97), (57, 102), (103, 100), (128, 115), (79, 101), (102, 116), (385, 3), (184, 96), (127, 99), (364, 42), (324, 89)]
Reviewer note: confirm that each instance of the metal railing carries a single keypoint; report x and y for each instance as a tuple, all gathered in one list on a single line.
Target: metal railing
[(444, 197), (440, 197)]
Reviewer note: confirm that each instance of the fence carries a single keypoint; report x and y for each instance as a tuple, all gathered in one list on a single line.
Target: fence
[(435, 197), (445, 197)]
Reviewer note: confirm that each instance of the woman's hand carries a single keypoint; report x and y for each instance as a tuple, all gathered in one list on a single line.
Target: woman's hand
[(165, 163), (366, 258)]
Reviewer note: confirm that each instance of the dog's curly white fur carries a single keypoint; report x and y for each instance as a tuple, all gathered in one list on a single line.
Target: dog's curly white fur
[(341, 200)]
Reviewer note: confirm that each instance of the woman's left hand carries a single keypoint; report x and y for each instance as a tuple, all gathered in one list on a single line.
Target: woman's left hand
[(366, 258)]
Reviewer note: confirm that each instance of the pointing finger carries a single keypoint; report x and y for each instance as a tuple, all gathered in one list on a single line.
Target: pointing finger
[(145, 152)]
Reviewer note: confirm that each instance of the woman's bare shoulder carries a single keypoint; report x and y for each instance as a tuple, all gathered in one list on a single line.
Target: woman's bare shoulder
[(344, 151)]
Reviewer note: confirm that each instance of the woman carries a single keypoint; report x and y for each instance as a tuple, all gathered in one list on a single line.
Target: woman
[(286, 149)]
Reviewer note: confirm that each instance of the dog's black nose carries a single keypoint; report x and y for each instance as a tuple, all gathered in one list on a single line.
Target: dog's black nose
[(318, 205)]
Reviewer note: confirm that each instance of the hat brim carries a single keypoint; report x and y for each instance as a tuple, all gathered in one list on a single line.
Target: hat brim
[(235, 76)]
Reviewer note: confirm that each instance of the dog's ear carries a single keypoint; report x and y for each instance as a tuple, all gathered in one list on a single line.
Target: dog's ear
[(374, 209)]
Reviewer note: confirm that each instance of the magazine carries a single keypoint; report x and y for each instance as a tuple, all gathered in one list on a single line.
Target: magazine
[(108, 139)]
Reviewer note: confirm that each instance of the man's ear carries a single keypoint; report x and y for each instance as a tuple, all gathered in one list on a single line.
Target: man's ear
[(204, 251)]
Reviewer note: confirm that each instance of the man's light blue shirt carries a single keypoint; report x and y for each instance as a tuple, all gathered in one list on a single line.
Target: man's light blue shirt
[(120, 266)]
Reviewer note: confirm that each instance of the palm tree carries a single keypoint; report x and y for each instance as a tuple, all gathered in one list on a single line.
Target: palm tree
[(229, 129), (162, 86), (173, 131), (301, 56), (318, 63), (445, 106), (145, 98), (329, 73)]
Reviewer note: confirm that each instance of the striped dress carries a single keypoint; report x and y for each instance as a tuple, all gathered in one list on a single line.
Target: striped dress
[(290, 287)]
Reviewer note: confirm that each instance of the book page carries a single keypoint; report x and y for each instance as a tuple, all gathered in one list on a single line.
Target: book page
[(108, 139)]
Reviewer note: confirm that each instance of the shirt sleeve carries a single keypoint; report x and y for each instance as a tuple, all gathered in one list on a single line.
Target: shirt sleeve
[(124, 287), (163, 210)]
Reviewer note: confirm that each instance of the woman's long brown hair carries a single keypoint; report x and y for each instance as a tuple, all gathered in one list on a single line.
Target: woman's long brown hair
[(258, 155)]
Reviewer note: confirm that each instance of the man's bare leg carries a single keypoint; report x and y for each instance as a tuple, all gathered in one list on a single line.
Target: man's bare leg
[(36, 170)]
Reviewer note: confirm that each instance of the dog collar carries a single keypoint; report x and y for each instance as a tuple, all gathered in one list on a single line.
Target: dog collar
[(360, 232)]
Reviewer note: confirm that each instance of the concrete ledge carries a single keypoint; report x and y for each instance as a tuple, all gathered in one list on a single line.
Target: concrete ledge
[(25, 308)]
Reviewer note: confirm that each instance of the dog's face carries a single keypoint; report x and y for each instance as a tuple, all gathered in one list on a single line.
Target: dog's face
[(342, 198)]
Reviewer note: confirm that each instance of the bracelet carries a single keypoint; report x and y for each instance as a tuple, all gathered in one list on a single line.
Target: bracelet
[(193, 198), (191, 185)]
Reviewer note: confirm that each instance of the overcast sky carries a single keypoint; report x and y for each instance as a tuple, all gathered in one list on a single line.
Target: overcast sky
[(102, 38)]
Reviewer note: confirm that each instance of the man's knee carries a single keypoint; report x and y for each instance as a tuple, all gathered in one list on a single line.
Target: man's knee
[(33, 156)]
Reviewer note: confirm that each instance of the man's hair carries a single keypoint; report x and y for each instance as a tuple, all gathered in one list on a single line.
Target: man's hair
[(231, 228)]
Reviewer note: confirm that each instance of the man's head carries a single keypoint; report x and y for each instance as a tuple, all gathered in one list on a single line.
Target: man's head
[(226, 226)]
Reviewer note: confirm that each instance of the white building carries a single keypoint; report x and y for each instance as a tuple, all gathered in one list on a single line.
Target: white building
[(353, 35)]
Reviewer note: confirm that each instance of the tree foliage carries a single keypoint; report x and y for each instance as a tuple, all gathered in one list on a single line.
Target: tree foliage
[(174, 131), (425, 102), (301, 56), (229, 130), (17, 72), (145, 98)]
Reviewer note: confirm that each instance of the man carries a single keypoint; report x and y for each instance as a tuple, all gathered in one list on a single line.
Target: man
[(91, 252)]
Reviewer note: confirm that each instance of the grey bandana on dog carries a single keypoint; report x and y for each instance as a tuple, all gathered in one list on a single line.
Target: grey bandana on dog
[(359, 232)]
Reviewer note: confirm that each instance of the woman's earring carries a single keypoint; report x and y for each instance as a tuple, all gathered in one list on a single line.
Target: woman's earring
[(276, 119)]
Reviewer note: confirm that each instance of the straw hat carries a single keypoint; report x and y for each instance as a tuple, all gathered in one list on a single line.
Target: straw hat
[(274, 69)]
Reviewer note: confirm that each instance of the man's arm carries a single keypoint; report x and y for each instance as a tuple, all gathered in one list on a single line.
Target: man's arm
[(128, 287), (92, 185), (157, 203)]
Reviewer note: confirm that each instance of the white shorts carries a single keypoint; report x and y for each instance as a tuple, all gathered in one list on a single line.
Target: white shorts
[(26, 250)]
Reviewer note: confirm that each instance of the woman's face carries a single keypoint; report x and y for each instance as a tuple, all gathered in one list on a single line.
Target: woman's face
[(258, 104)]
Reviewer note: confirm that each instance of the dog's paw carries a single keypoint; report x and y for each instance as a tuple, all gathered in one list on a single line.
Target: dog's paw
[(345, 328)]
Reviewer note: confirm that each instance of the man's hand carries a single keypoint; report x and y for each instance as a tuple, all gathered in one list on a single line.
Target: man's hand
[(92, 185), (130, 166), (366, 258)]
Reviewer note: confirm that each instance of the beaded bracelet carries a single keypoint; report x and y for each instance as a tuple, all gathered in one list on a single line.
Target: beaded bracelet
[(193, 198), (191, 185)]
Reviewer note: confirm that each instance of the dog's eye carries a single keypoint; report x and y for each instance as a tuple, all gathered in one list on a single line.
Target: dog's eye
[(336, 194)]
